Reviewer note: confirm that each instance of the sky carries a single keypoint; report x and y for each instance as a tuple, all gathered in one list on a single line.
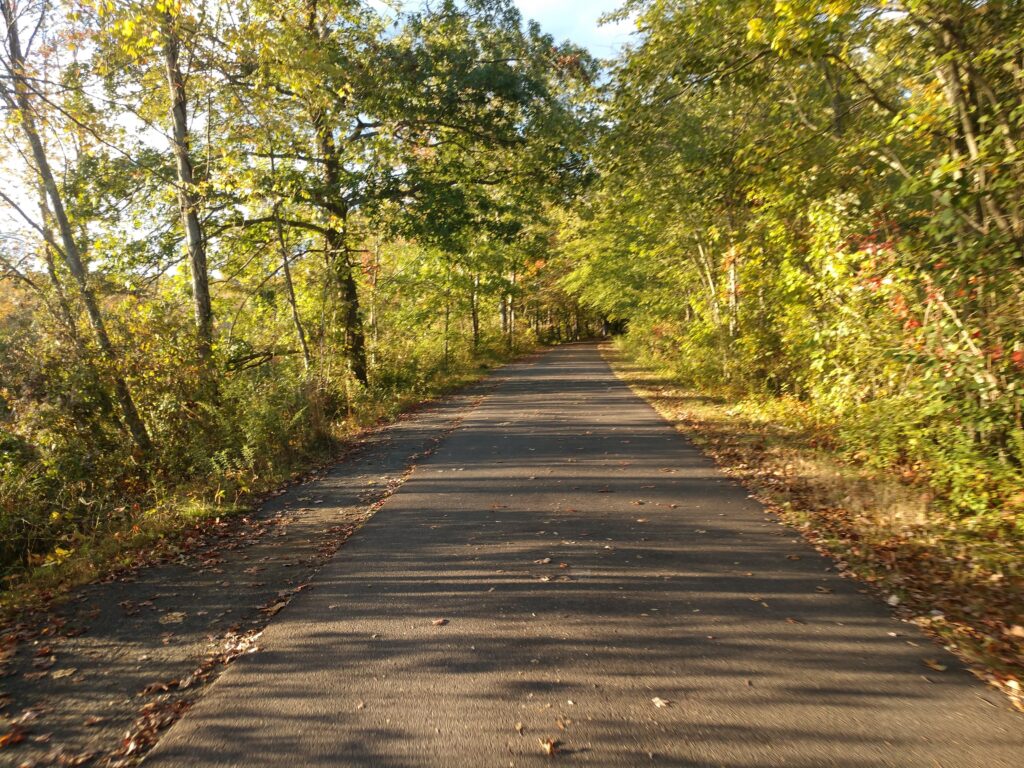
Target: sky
[(577, 21)]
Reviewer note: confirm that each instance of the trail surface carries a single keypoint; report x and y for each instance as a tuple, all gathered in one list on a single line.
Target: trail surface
[(561, 566)]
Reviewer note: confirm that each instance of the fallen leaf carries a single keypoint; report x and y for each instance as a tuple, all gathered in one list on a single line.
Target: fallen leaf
[(519, 728), (174, 617), (550, 746), (67, 672), (661, 703), (27, 716), (439, 622), (792, 557), (14, 736), (823, 590), (935, 664), (94, 720), (274, 609), (542, 561)]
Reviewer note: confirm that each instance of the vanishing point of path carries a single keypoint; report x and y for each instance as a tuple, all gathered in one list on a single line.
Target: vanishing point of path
[(587, 560)]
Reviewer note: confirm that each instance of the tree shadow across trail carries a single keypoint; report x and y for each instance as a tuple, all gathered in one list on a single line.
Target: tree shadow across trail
[(568, 568)]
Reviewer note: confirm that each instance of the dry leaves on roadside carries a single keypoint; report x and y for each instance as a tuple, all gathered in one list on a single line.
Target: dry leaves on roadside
[(274, 608), (550, 747), (152, 719), (14, 736)]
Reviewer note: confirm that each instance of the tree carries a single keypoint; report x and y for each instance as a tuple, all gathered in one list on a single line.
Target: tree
[(22, 96)]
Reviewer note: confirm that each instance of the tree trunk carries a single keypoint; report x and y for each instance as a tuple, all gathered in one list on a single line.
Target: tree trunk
[(188, 202), (512, 314), (474, 311), (734, 296), (72, 256), (355, 337), (336, 242), (65, 314), (447, 323), (374, 321), (300, 331)]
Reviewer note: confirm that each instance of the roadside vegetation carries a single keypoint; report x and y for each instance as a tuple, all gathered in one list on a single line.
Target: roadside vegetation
[(235, 234), (879, 526)]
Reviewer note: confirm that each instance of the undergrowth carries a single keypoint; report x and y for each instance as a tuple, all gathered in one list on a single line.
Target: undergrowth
[(64, 528)]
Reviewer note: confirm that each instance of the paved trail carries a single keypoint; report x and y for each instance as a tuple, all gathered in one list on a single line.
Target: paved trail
[(675, 585)]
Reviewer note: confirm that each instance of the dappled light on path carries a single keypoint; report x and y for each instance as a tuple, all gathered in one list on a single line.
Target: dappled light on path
[(604, 587)]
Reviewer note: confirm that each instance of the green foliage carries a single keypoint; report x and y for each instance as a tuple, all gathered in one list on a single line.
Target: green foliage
[(822, 201), (367, 188)]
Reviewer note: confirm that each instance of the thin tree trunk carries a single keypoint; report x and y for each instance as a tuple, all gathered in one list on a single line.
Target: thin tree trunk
[(72, 256), (447, 323), (300, 331), (512, 314), (447, 313), (188, 202), (474, 311), (67, 317), (734, 296), (374, 324)]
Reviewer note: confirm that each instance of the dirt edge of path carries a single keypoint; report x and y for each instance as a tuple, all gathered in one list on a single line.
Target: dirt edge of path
[(786, 499)]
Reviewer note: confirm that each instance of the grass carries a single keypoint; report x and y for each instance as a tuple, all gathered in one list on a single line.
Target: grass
[(964, 588)]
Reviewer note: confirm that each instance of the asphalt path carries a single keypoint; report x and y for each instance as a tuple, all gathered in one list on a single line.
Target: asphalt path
[(567, 567)]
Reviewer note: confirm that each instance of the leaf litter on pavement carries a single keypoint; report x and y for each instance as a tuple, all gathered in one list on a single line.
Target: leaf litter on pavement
[(186, 637)]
